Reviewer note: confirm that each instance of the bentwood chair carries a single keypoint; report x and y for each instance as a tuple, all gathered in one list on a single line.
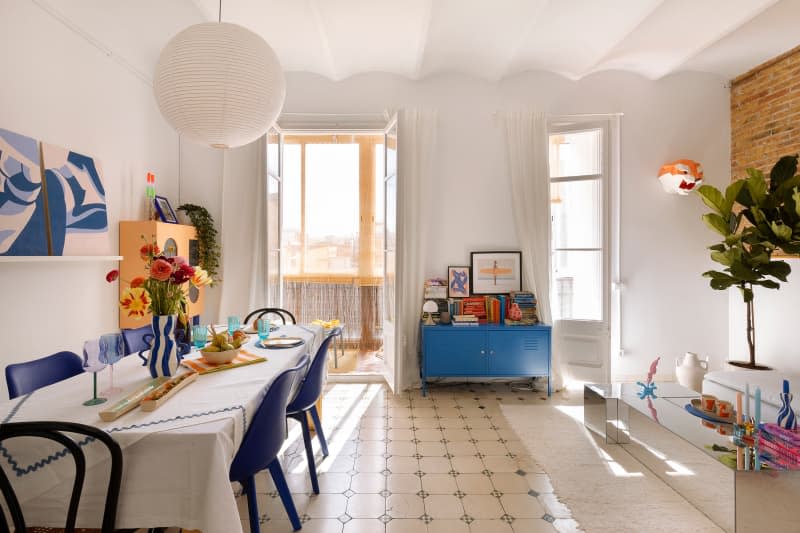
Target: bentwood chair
[(137, 339), (305, 402), (26, 377), (277, 311), (261, 444), (54, 431)]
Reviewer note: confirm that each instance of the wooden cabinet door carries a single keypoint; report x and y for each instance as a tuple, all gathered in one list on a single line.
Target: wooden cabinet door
[(450, 351), (522, 352)]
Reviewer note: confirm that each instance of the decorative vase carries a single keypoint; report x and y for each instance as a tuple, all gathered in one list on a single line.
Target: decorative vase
[(690, 371), (164, 358), (444, 317), (786, 418)]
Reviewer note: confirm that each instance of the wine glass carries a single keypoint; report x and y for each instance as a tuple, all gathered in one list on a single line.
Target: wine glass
[(199, 336), (93, 364), (111, 350), (233, 324)]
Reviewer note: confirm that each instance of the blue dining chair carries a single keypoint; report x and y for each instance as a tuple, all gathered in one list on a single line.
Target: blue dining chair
[(137, 339), (26, 377), (305, 401), (261, 444)]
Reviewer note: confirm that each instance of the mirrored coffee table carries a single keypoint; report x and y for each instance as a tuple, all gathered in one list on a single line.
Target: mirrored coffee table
[(674, 445)]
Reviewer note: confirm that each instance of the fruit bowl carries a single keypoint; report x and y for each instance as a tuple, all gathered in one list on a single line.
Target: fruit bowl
[(218, 358)]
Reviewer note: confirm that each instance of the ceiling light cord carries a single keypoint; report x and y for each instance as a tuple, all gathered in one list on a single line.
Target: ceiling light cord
[(219, 20)]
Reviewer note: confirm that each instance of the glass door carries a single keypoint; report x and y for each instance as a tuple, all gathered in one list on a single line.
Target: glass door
[(274, 218), (390, 254)]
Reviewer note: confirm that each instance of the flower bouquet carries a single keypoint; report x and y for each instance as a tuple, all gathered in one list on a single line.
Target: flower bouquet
[(161, 292)]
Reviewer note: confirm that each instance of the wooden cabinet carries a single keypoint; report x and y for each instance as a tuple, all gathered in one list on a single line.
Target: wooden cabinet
[(487, 350), (173, 239)]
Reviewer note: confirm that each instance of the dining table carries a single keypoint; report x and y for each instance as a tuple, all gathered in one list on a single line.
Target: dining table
[(176, 458)]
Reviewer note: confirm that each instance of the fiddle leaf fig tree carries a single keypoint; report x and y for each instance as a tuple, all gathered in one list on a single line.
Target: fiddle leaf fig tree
[(755, 217)]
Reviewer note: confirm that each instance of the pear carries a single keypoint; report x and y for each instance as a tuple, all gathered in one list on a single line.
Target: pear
[(211, 348)]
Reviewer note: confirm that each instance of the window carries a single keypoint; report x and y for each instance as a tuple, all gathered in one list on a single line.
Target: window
[(577, 196)]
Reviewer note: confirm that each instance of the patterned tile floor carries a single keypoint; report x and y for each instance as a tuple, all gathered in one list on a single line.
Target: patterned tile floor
[(405, 463)]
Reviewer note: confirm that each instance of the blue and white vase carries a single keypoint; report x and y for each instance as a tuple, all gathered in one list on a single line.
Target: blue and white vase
[(786, 418), (164, 357)]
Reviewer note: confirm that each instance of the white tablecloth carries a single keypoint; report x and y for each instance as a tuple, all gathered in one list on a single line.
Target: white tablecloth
[(176, 458)]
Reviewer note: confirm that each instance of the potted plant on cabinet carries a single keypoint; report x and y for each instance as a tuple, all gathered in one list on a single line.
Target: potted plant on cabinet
[(756, 217)]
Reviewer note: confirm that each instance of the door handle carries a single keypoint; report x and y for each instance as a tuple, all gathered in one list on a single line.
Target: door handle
[(483, 352), (491, 352)]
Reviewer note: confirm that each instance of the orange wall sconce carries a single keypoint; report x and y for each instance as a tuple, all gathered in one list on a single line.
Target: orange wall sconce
[(681, 176)]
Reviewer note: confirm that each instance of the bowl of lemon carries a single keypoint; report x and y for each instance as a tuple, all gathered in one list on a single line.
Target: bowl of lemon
[(223, 347)]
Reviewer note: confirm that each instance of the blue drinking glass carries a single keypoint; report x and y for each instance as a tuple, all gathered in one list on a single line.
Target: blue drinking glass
[(233, 324), (199, 336), (263, 329), (112, 349)]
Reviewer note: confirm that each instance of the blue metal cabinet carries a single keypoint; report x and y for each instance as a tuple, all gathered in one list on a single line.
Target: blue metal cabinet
[(487, 350)]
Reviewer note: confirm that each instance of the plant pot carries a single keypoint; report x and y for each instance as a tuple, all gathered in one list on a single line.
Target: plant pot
[(163, 359), (748, 365)]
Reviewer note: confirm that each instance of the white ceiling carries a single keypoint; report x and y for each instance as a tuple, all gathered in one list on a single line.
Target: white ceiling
[(487, 39)]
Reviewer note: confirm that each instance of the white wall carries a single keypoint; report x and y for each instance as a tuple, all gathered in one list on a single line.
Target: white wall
[(59, 88), (775, 317), (667, 307)]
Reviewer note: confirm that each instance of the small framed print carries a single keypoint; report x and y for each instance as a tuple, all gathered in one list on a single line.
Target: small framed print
[(496, 272), (164, 210), (458, 280)]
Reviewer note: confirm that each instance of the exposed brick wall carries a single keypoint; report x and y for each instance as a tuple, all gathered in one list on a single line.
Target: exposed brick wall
[(765, 114)]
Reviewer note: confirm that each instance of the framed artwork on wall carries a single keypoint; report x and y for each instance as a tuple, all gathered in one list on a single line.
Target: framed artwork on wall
[(165, 211), (458, 281), (496, 272)]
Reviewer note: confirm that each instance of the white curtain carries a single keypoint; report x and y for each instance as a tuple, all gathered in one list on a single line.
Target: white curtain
[(527, 153), (417, 134), (243, 231)]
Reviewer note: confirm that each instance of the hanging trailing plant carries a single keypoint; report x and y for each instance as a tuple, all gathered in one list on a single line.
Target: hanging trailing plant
[(207, 238)]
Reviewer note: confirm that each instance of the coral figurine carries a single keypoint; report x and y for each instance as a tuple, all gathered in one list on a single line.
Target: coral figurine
[(515, 313)]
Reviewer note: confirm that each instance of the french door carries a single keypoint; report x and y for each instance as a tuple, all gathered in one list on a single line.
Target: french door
[(390, 337), (581, 267)]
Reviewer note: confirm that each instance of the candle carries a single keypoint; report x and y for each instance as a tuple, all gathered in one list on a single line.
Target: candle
[(755, 428), (747, 421), (739, 451)]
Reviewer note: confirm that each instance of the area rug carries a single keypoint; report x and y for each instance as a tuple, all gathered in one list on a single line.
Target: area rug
[(606, 489)]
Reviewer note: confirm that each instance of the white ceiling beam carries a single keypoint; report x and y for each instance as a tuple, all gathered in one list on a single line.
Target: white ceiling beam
[(504, 70), (422, 44), (719, 36), (601, 57), (323, 39)]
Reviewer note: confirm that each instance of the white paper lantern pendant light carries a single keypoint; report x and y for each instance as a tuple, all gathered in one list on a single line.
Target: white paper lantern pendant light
[(219, 84)]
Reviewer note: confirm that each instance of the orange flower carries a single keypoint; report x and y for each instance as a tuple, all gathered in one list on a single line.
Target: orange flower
[(160, 270), (148, 251), (137, 282), (135, 301)]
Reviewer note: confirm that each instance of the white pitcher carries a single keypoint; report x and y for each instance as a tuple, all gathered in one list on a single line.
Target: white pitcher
[(690, 371)]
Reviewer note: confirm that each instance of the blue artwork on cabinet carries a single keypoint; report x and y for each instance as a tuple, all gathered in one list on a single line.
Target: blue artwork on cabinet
[(61, 211), (76, 202), (23, 217)]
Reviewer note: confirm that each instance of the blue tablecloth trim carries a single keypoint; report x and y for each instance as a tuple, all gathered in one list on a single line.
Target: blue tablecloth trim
[(20, 471)]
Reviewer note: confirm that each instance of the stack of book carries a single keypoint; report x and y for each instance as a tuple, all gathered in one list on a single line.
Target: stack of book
[(527, 304), (476, 306), (779, 448), (465, 320)]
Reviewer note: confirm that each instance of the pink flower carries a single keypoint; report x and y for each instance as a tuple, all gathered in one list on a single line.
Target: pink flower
[(182, 274), (160, 270), (112, 275), (178, 260)]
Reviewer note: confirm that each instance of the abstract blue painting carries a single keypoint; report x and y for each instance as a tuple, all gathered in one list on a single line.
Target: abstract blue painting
[(23, 217), (76, 203)]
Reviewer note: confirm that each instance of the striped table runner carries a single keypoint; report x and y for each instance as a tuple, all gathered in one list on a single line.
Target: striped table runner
[(242, 358)]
